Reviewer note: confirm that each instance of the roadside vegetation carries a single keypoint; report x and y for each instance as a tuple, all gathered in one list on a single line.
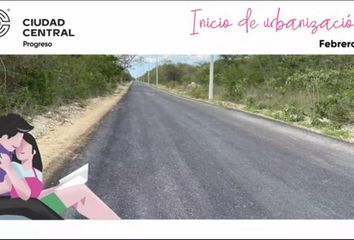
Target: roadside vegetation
[(312, 91), (30, 85)]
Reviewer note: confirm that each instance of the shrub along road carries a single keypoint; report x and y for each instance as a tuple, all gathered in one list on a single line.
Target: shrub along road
[(157, 156)]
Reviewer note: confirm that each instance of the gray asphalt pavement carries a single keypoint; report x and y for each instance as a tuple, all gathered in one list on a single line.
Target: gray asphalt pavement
[(158, 156)]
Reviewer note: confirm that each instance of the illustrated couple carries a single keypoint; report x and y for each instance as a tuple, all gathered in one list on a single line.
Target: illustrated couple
[(21, 180)]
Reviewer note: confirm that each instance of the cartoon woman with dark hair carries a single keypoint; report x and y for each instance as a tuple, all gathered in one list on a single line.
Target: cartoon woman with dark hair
[(12, 128), (24, 180)]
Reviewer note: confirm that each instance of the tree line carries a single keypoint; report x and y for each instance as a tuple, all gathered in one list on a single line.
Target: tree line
[(29, 84), (319, 89)]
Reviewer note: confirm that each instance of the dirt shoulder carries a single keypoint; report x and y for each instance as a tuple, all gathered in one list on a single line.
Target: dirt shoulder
[(61, 132)]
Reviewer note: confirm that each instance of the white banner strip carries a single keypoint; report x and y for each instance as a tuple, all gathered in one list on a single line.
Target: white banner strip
[(178, 27), (179, 229)]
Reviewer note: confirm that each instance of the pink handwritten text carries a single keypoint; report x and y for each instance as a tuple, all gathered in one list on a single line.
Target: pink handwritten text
[(200, 23), (278, 22), (294, 24), (248, 22)]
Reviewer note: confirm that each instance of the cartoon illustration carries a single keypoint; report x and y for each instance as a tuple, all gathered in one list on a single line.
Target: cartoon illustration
[(21, 169), (12, 129)]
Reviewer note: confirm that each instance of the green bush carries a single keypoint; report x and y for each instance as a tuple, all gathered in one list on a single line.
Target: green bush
[(320, 88), (35, 82), (198, 92), (250, 102), (293, 114)]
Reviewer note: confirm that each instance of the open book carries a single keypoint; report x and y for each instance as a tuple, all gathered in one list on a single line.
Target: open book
[(78, 177)]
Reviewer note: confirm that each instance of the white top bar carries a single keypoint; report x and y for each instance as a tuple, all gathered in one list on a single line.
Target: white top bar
[(147, 27)]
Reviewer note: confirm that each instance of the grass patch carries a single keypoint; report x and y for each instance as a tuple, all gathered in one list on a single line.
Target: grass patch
[(337, 133)]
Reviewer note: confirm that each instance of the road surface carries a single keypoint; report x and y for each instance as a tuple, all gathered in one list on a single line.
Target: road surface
[(158, 156)]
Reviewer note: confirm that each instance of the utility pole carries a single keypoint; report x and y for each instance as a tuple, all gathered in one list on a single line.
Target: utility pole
[(149, 77), (157, 70), (211, 78)]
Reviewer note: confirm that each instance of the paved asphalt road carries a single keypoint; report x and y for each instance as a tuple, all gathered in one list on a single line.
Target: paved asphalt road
[(157, 156)]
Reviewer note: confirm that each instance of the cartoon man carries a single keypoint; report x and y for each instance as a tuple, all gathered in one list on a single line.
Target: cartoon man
[(12, 129)]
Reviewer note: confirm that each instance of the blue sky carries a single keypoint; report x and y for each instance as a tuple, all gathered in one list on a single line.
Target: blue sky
[(149, 62)]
